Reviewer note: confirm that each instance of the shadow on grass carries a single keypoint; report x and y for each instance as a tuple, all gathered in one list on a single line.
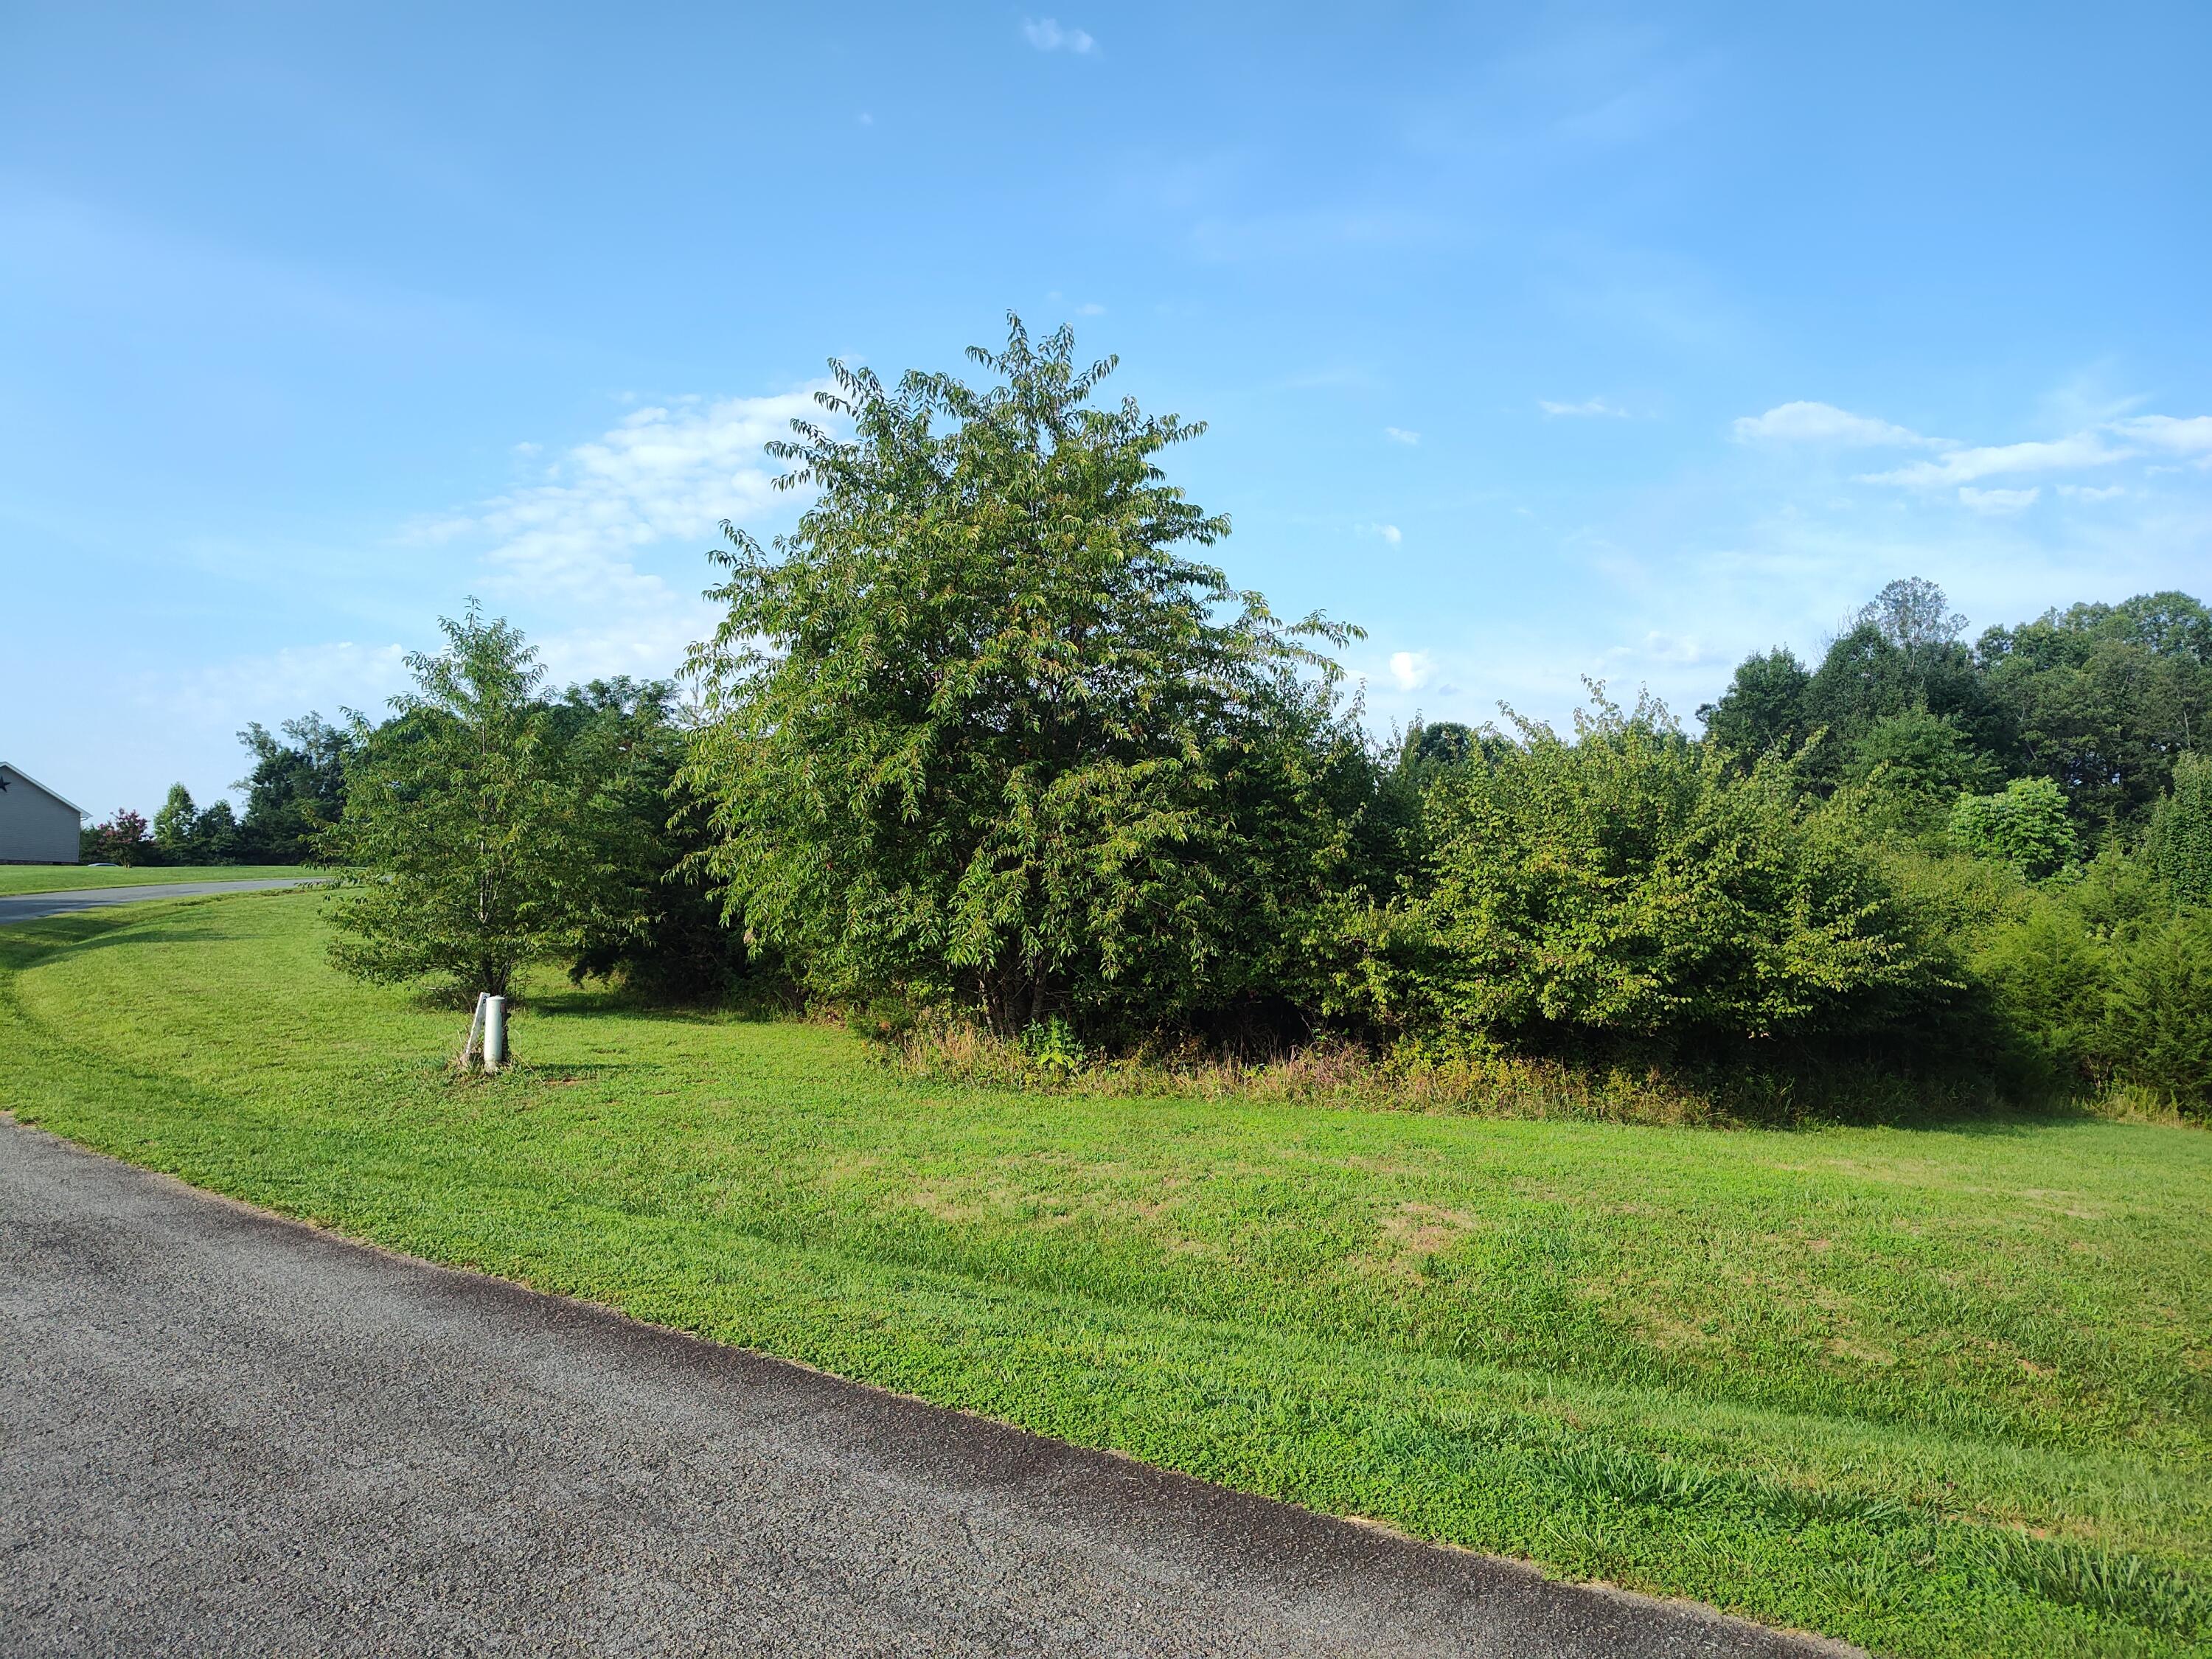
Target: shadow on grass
[(26, 944)]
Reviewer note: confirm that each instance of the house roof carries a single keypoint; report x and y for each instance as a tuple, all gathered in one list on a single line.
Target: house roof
[(14, 770)]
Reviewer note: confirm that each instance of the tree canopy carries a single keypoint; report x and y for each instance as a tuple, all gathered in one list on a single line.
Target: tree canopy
[(984, 729)]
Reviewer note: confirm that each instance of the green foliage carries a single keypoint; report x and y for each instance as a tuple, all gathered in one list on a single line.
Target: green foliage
[(2025, 825), (2180, 842), (2157, 1032), (1763, 708), (184, 833), (2047, 970), (464, 844), (2104, 697), (296, 790), (123, 840), (1911, 767), (1053, 1046), (653, 924), (1631, 883), (981, 734), (1875, 672)]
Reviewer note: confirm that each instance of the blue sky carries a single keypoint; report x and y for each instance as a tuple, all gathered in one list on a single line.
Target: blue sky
[(1541, 341)]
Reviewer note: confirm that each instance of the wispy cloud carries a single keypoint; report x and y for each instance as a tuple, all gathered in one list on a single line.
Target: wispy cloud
[(1047, 34), (1998, 501), (1824, 423), (2192, 436), (665, 471), (1399, 435), (1587, 407), (1388, 532), (1957, 466), (1960, 466)]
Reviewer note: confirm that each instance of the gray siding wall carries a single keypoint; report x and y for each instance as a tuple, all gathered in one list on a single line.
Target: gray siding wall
[(34, 827)]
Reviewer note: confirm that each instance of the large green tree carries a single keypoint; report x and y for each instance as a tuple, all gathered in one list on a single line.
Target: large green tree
[(982, 731)]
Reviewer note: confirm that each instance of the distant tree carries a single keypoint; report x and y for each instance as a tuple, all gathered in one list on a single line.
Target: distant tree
[(1910, 613), (1867, 675), (2025, 825), (1763, 708), (124, 839), (1920, 763), (1431, 743), (296, 790), (2105, 698), (463, 841), (2180, 839), (216, 834), (174, 826)]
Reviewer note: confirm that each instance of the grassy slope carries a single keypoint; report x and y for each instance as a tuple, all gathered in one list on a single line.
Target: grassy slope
[(1935, 1391), (69, 877)]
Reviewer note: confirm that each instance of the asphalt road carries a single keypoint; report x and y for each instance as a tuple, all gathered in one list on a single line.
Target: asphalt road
[(29, 907), (221, 1433)]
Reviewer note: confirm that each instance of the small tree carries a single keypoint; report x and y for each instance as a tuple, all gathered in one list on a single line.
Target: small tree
[(175, 823), (122, 839), (460, 842)]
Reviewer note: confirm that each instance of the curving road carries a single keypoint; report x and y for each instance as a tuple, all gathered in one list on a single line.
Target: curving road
[(221, 1433), (29, 907)]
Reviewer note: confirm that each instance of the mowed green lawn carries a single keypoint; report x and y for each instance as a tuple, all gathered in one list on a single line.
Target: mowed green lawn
[(1936, 1391), (69, 878)]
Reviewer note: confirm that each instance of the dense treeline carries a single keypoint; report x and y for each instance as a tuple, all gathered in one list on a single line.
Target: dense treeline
[(984, 737), (294, 793)]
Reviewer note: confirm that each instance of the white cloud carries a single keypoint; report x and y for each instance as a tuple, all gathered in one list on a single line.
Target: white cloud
[(1388, 532), (1965, 466), (2092, 493), (1590, 406), (1091, 308), (1824, 423), (1411, 669), (1998, 500), (1399, 435), (665, 471), (2192, 436), (1046, 34)]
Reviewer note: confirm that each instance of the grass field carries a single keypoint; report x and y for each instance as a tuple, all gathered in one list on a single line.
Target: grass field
[(1944, 1390), (67, 877)]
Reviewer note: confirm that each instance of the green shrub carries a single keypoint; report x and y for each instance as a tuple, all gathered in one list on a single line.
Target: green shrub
[(2181, 831), (2157, 1029), (2025, 825), (1632, 885), (2047, 973)]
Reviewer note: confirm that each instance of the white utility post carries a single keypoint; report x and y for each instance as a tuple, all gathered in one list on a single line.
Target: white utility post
[(495, 1033)]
